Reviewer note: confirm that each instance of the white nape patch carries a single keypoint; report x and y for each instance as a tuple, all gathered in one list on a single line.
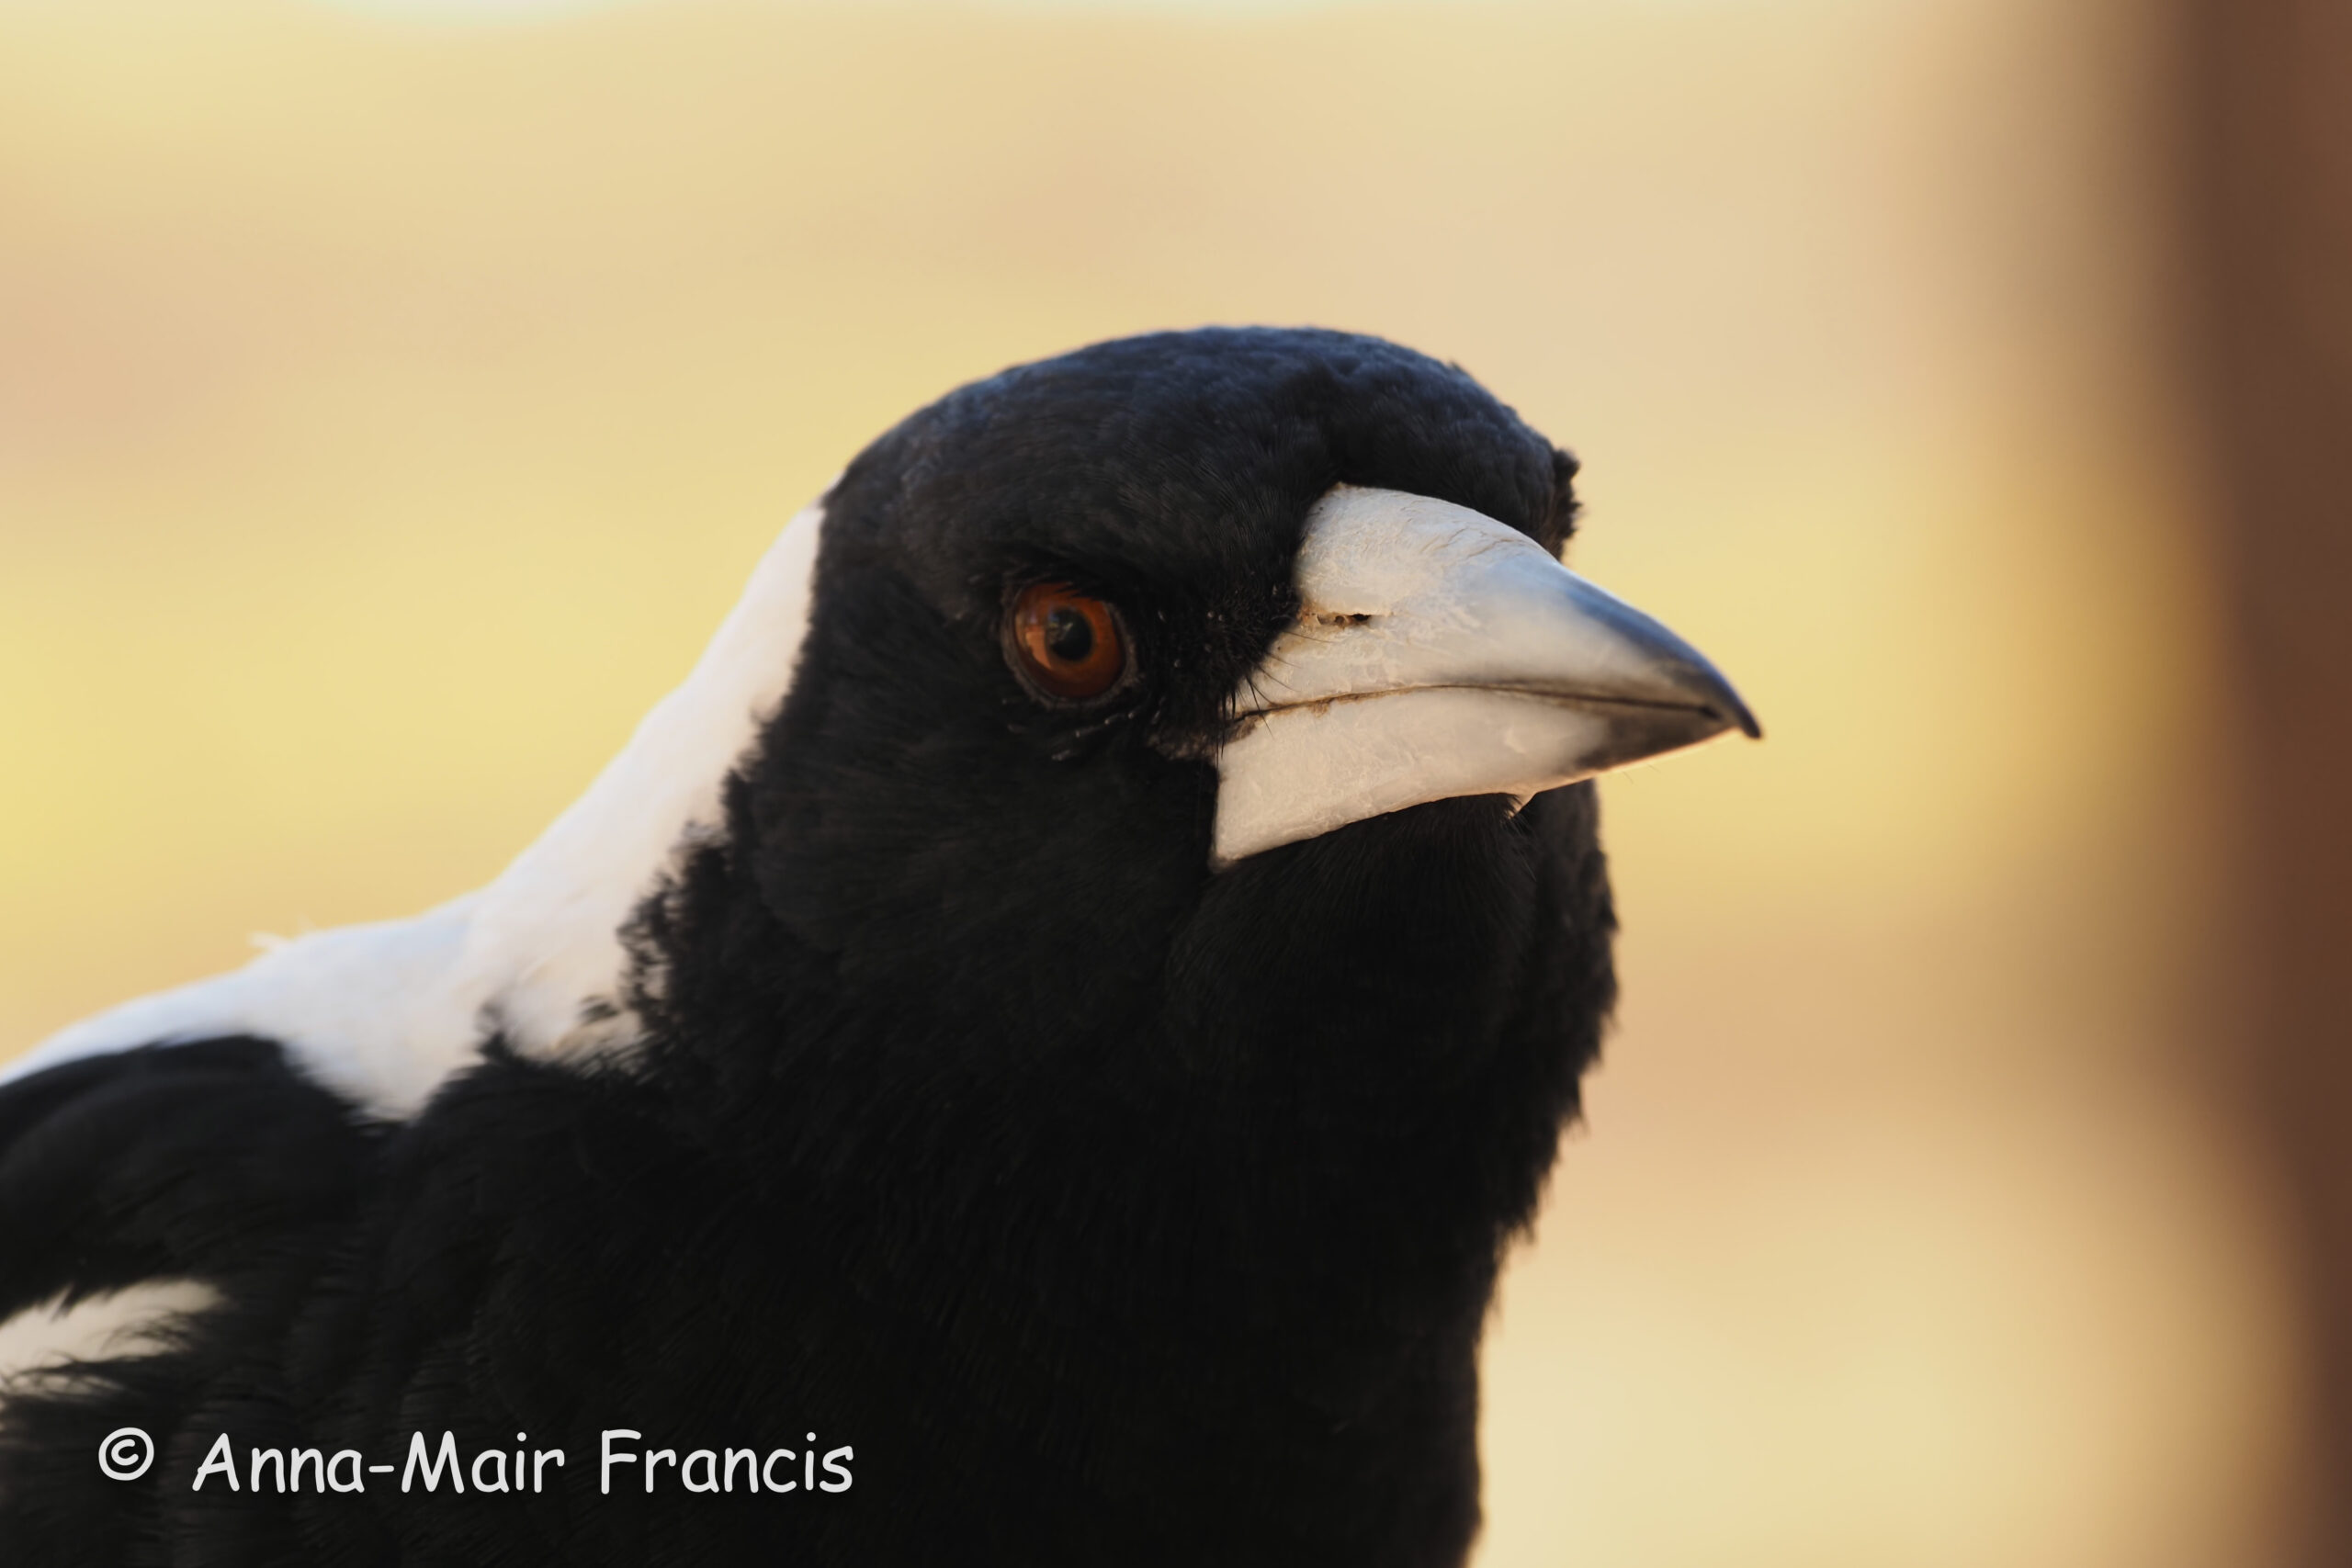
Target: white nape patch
[(126, 1322), (382, 1014), (544, 947)]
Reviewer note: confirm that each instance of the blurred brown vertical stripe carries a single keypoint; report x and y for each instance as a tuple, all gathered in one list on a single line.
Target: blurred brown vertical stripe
[(2271, 199)]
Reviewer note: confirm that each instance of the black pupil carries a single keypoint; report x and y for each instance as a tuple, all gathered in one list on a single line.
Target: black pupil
[(1069, 637)]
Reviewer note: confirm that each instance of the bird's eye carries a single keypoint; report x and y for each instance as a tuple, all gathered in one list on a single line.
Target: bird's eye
[(1066, 644)]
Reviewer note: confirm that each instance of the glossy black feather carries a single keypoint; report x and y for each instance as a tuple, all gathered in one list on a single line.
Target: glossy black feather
[(1113, 1211)]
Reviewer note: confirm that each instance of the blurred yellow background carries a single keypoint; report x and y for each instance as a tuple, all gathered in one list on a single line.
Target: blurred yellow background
[(391, 401)]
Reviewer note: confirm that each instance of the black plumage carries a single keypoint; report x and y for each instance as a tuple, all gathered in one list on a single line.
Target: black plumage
[(1109, 1207)]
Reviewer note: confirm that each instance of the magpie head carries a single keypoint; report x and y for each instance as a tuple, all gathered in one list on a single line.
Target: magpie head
[(1099, 642)]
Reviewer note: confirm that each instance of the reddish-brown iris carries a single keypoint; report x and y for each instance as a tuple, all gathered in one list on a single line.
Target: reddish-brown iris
[(1067, 644)]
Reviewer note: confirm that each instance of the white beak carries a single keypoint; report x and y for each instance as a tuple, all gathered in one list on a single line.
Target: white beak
[(1439, 653)]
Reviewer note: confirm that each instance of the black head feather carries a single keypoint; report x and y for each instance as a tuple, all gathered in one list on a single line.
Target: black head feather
[(1115, 1209)]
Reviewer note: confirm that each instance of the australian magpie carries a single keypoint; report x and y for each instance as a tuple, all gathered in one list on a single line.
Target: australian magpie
[(1031, 1055)]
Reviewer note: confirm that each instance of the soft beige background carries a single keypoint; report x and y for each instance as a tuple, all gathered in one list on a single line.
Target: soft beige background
[(388, 408)]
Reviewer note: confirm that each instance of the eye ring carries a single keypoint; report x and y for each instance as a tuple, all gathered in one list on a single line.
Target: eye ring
[(1067, 645)]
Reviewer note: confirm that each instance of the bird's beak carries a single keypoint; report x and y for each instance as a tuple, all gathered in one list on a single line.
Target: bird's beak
[(1439, 653)]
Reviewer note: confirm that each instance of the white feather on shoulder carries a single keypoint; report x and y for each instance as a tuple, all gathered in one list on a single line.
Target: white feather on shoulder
[(382, 1014)]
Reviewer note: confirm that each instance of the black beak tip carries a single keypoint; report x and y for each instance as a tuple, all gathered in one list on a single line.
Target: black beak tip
[(1725, 704)]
